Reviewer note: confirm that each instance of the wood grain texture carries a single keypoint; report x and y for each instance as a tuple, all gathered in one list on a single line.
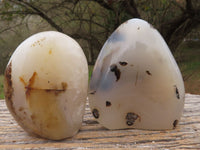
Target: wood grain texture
[(94, 136)]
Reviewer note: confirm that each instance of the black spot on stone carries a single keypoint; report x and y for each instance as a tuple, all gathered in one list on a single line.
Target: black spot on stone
[(148, 72), (93, 92), (115, 69), (129, 123), (95, 113), (123, 63), (177, 92), (130, 118), (138, 28), (175, 123), (108, 104)]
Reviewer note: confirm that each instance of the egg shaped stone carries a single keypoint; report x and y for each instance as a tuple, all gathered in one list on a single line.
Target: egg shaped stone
[(46, 83), (136, 82)]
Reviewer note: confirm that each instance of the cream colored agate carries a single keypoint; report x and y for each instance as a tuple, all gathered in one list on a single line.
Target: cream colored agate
[(136, 82), (46, 85)]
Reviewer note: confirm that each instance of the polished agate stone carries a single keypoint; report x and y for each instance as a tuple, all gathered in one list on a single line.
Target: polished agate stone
[(136, 82), (46, 82)]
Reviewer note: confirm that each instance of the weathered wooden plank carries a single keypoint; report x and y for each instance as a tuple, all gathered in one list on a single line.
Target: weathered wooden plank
[(94, 136)]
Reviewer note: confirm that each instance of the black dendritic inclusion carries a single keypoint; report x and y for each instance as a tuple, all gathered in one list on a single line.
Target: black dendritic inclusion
[(93, 92), (95, 113), (108, 103), (130, 118), (177, 92), (123, 63), (115, 69), (175, 123), (148, 72)]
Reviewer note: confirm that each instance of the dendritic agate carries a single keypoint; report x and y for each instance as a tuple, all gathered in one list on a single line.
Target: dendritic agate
[(136, 82)]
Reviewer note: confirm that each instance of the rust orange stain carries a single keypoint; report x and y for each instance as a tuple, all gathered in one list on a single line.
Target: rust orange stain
[(33, 117), (22, 80), (50, 52), (29, 86), (38, 42), (21, 108), (57, 91), (30, 83), (64, 85), (33, 45)]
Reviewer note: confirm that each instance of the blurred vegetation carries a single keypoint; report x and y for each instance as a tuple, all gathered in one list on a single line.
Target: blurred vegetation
[(90, 67), (189, 63), (90, 23)]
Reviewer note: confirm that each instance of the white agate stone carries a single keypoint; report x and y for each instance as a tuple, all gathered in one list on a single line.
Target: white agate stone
[(136, 82), (46, 83)]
